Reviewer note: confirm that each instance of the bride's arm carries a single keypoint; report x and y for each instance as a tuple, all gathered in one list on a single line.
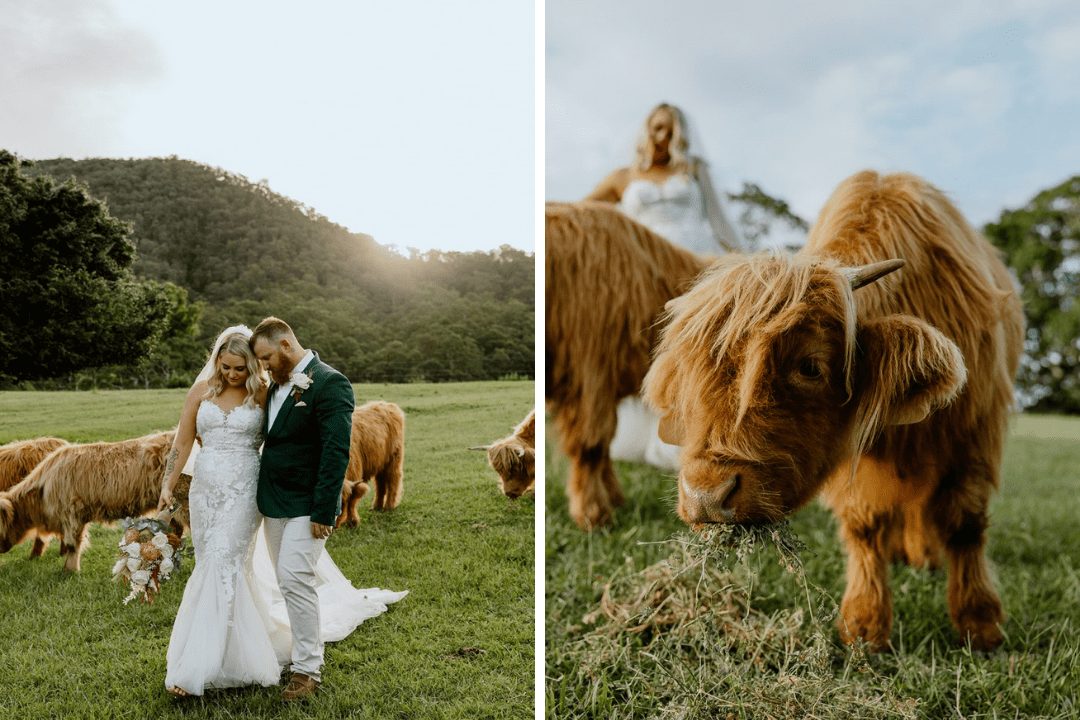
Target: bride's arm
[(611, 188), (181, 447)]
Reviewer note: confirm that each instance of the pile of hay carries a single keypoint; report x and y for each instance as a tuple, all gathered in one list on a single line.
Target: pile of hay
[(683, 638)]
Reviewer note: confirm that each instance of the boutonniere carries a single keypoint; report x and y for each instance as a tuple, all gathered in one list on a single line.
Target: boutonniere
[(300, 382)]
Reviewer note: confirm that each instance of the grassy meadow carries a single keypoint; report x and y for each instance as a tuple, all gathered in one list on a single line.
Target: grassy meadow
[(459, 646), (645, 619)]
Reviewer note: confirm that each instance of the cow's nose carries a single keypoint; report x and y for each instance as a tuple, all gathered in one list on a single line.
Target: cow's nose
[(705, 505)]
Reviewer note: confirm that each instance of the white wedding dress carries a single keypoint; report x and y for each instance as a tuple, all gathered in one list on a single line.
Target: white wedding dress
[(232, 628), (675, 210)]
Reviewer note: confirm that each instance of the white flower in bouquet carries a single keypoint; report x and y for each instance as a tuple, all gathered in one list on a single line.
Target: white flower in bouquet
[(159, 540), (133, 549), (166, 550), (166, 568), (120, 565), (133, 564), (140, 577)]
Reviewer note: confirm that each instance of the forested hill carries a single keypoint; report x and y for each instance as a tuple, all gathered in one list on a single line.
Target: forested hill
[(243, 251)]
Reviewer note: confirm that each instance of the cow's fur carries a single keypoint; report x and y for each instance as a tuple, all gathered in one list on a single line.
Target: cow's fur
[(780, 380), (607, 279), (513, 458), (17, 459), (376, 454), (79, 484)]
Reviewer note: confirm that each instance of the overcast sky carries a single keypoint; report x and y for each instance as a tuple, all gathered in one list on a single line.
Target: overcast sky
[(408, 120), (981, 98)]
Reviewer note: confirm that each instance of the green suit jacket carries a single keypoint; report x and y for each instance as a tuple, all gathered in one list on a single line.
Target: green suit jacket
[(306, 450)]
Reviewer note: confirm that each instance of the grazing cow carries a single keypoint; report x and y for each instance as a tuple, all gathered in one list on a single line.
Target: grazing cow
[(607, 279), (513, 458), (79, 484), (17, 459), (890, 393), (376, 453)]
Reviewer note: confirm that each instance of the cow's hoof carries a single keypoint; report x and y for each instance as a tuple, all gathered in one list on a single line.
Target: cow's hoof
[(865, 620), (980, 625), (591, 515)]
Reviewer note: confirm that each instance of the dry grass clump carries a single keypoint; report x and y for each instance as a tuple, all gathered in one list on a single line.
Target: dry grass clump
[(686, 638)]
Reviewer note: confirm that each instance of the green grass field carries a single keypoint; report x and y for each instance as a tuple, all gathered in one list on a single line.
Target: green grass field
[(763, 645), (459, 646)]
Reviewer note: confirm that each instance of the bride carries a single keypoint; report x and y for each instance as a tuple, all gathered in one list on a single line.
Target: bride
[(232, 627), (668, 190)]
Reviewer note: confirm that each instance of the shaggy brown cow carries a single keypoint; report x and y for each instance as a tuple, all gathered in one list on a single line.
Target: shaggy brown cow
[(513, 458), (377, 453), (79, 484), (17, 459), (779, 377), (607, 279)]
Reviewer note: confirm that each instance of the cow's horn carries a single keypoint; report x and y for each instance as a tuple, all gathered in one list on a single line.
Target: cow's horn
[(866, 274), (480, 447)]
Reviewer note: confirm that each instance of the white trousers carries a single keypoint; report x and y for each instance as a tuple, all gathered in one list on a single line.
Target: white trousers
[(294, 553)]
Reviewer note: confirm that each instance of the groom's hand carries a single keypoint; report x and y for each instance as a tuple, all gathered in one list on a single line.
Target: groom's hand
[(321, 532)]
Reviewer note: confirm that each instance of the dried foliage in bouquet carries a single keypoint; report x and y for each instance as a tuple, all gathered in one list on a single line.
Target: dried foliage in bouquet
[(150, 553)]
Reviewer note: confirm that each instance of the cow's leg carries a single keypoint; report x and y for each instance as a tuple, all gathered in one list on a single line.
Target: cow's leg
[(359, 490), (74, 541), (959, 511), (866, 610), (592, 489), (391, 478), (41, 542)]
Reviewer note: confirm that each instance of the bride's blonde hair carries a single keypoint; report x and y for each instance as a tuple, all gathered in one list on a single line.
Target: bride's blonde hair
[(678, 148), (237, 344)]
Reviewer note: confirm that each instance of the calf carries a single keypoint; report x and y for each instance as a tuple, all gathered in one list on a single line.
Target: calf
[(17, 459), (79, 484), (830, 371), (376, 453), (606, 281), (513, 458)]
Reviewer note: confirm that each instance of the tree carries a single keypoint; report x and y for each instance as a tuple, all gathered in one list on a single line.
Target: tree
[(1041, 243), (68, 296), (760, 211)]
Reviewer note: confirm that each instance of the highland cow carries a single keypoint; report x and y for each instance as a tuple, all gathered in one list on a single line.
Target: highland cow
[(376, 453), (607, 279), (513, 458), (17, 459), (79, 484), (829, 371)]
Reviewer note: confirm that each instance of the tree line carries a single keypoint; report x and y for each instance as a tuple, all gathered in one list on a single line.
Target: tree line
[(194, 249)]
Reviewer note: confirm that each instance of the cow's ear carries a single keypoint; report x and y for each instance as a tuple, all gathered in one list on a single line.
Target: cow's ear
[(671, 430), (907, 370), (661, 390)]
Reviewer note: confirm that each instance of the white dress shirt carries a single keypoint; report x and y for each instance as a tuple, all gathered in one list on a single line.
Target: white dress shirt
[(282, 392)]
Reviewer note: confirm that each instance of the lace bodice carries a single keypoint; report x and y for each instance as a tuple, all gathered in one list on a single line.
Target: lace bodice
[(237, 429), (674, 209)]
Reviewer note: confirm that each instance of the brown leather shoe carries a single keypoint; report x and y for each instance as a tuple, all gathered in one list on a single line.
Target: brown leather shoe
[(300, 686)]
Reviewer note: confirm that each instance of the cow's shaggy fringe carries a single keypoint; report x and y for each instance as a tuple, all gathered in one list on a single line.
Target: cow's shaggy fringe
[(606, 281), (79, 484), (376, 455), (684, 638)]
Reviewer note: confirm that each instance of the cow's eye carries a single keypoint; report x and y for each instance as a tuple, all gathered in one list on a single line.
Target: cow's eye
[(809, 369)]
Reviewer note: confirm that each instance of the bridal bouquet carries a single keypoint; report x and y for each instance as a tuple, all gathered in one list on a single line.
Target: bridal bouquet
[(149, 554)]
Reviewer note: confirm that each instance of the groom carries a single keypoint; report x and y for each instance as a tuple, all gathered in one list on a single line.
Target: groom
[(306, 450)]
